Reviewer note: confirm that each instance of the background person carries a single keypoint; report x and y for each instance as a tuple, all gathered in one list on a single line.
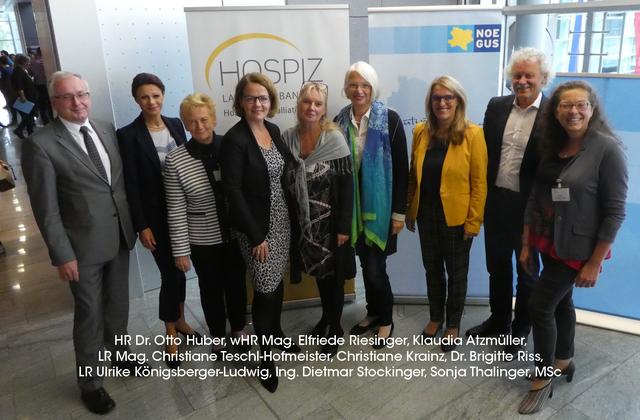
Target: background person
[(447, 191), (323, 187), (199, 223), (144, 144), (253, 164), (379, 154), (25, 89), (512, 130), (575, 209)]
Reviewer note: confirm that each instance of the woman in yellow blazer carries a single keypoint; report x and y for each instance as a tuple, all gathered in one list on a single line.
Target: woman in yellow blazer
[(447, 192)]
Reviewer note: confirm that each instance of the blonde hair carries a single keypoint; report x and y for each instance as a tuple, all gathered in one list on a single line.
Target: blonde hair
[(196, 100), (322, 89), (459, 123)]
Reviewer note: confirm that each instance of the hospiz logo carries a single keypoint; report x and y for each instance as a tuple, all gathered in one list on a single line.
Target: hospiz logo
[(280, 69)]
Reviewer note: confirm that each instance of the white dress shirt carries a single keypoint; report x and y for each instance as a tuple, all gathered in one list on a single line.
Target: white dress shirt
[(74, 130), (514, 143)]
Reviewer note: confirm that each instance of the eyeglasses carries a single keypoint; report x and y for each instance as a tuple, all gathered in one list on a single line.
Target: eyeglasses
[(580, 106), (447, 98), (264, 99), (68, 97), (319, 86), (355, 86)]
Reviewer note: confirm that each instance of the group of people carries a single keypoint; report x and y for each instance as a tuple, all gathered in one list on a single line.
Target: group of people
[(23, 80), (549, 174)]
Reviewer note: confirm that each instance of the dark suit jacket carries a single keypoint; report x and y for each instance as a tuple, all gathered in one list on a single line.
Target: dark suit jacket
[(21, 80), (143, 173), (495, 120), (80, 215), (246, 179)]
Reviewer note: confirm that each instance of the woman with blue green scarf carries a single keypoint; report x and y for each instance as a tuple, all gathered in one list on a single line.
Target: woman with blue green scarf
[(379, 155)]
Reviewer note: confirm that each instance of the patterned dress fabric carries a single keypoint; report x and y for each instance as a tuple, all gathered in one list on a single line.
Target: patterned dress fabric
[(267, 276)]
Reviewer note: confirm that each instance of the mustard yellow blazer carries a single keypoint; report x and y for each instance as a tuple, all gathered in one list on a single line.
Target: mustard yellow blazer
[(463, 188)]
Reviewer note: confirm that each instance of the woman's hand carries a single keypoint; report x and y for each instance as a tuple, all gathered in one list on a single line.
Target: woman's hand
[(411, 224), (147, 239), (588, 275), (469, 235), (396, 226), (183, 263), (342, 239), (261, 251)]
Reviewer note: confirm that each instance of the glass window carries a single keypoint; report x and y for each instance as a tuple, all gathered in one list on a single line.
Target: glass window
[(595, 42)]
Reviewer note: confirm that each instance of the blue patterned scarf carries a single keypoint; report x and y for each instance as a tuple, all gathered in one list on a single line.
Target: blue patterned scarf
[(374, 182)]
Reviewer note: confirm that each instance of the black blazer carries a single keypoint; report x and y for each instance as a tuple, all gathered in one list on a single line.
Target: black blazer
[(495, 120), (246, 179), (143, 173)]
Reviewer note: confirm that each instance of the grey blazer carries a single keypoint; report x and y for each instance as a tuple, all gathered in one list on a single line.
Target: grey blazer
[(597, 180), (81, 217)]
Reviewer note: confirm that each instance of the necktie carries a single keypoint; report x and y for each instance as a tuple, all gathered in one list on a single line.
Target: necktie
[(92, 151)]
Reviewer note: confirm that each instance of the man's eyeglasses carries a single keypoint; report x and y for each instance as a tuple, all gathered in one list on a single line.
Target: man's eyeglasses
[(68, 97), (264, 99), (580, 106), (447, 98)]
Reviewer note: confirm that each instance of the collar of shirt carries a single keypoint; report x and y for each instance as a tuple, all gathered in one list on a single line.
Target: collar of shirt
[(535, 104), (75, 128), (365, 118)]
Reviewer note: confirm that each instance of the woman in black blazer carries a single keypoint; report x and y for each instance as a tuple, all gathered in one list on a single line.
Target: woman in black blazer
[(144, 145), (253, 161)]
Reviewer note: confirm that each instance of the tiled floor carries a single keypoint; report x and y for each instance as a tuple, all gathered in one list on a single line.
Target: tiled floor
[(37, 379)]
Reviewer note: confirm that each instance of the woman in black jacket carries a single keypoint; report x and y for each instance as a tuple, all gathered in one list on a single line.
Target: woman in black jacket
[(144, 144), (378, 146), (253, 163), (322, 184)]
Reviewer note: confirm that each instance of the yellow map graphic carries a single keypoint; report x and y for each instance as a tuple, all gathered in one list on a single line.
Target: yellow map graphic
[(461, 38)]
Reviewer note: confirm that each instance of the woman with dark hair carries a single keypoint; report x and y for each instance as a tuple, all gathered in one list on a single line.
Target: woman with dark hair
[(144, 144), (378, 146), (575, 209), (198, 223), (25, 89), (253, 162), (447, 192), (323, 189)]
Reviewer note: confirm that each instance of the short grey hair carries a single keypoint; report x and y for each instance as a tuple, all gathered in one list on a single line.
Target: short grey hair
[(531, 54), (61, 75), (368, 73)]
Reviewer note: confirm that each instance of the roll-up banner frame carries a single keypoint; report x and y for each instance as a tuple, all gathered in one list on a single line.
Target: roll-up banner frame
[(291, 45), (409, 47)]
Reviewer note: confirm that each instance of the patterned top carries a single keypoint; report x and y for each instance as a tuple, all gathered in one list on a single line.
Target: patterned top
[(163, 142)]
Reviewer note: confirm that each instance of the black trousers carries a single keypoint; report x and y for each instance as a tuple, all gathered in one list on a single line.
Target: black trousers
[(373, 262), (443, 246), (221, 278), (173, 281), (504, 214), (332, 299), (552, 312)]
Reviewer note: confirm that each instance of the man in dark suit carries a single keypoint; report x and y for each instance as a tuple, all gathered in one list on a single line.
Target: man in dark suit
[(511, 130), (75, 183)]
